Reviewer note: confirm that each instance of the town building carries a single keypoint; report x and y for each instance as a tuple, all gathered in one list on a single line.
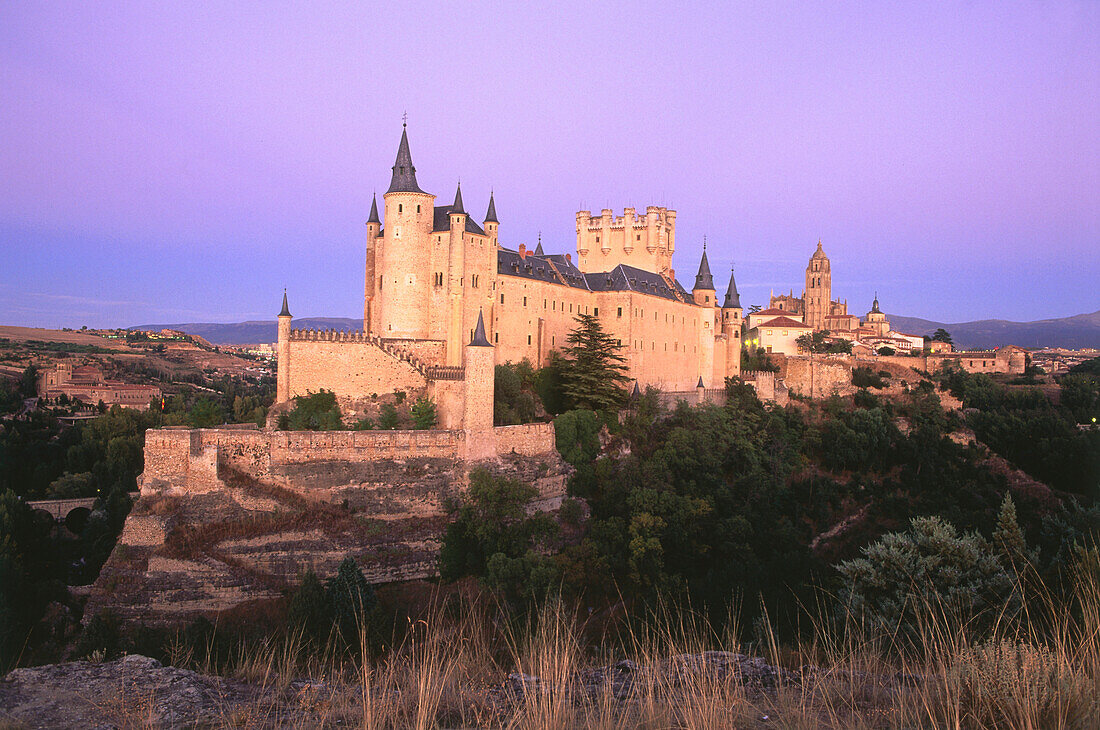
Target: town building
[(86, 384)]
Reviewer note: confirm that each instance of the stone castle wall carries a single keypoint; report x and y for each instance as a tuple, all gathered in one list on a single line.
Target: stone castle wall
[(181, 461), (351, 369), (818, 377)]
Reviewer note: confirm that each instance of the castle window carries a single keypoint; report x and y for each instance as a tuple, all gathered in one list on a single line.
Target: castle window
[(596, 311), (418, 209), (544, 304), (570, 307), (474, 281), (496, 337), (620, 312), (553, 340), (597, 239), (525, 304), (379, 282), (639, 237), (707, 299), (400, 208), (502, 299), (737, 334), (528, 339)]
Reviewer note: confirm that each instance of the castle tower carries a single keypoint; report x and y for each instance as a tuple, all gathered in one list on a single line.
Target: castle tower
[(703, 294), (456, 270), (477, 403), (282, 377), (646, 242), (402, 266), (731, 327), (374, 227), (817, 298)]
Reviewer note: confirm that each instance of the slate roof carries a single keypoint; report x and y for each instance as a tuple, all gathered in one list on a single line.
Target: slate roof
[(286, 310), (703, 280), (442, 221), (491, 214), (404, 174), (374, 211), (733, 299), (557, 269)]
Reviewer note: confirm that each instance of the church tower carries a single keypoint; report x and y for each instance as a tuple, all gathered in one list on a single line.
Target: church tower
[(731, 328), (402, 266), (817, 298)]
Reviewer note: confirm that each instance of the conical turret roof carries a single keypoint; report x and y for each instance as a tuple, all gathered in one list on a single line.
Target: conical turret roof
[(286, 310), (480, 340), (404, 174), (703, 279), (457, 207), (374, 210), (733, 299), (491, 214)]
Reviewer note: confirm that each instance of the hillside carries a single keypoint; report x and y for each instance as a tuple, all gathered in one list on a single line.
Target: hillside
[(1082, 330), (253, 331), (1079, 331)]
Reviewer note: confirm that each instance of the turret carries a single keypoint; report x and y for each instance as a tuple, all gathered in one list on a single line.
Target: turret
[(282, 378), (478, 381), (456, 270), (374, 227), (402, 266), (491, 221), (731, 327), (703, 291)]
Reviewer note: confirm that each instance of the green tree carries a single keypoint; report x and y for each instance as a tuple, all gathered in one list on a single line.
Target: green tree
[(28, 382), (310, 610), (315, 412), (942, 335), (388, 417), (595, 374), (352, 600), (423, 413), (206, 413)]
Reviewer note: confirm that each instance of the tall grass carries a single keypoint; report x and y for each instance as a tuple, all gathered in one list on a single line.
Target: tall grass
[(470, 667)]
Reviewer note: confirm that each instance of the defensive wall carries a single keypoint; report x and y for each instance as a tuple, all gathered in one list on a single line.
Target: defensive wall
[(183, 461)]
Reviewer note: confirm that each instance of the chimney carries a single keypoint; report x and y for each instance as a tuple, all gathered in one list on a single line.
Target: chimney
[(523, 251)]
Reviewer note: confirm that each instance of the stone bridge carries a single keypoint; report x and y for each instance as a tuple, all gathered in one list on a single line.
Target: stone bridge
[(71, 512)]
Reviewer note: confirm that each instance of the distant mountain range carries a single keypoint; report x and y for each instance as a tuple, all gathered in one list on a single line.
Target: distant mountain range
[(1082, 330)]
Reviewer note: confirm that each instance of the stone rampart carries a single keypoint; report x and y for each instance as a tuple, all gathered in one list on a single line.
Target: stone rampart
[(188, 461), (819, 376)]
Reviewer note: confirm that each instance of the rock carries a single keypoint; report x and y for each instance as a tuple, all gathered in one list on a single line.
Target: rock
[(132, 691)]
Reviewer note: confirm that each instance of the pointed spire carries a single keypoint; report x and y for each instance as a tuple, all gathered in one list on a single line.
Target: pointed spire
[(480, 340), (286, 309), (491, 214), (457, 207), (700, 383), (733, 299), (703, 280), (538, 249), (374, 210), (636, 393), (404, 174)]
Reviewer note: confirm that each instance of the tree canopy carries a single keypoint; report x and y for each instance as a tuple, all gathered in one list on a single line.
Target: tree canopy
[(594, 376)]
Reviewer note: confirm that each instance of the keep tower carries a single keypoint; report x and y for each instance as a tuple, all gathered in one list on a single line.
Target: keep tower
[(399, 302)]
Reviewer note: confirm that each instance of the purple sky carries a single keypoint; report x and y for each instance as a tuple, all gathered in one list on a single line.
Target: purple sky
[(172, 162)]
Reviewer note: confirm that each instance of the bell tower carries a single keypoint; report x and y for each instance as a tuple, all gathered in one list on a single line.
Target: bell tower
[(817, 298)]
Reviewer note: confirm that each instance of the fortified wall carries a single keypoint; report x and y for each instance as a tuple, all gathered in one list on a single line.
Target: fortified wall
[(230, 518)]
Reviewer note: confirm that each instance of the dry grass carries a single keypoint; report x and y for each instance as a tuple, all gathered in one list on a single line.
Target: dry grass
[(1037, 672)]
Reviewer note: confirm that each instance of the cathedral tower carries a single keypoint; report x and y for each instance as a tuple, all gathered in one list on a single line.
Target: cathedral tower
[(817, 298)]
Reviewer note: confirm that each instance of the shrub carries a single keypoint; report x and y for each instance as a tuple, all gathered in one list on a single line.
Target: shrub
[(315, 412), (310, 610), (930, 569), (864, 377)]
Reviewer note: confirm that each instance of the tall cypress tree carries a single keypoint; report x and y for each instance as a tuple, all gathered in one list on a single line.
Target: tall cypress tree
[(595, 373)]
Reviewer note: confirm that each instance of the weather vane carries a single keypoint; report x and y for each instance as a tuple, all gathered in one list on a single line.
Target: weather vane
[(405, 119)]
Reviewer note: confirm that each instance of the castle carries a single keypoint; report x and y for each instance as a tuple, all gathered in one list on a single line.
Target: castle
[(445, 301)]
